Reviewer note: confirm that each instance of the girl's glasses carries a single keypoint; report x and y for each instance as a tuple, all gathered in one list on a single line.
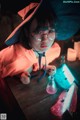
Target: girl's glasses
[(40, 36)]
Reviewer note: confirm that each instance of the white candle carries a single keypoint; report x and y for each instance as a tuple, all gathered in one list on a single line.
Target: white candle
[(76, 47), (78, 54), (71, 54)]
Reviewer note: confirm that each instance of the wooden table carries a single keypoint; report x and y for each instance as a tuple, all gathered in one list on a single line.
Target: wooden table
[(33, 98)]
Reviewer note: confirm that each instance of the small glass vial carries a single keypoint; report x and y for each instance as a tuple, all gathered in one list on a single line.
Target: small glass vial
[(51, 85)]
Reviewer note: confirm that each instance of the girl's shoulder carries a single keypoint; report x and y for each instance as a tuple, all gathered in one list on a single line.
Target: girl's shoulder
[(55, 45)]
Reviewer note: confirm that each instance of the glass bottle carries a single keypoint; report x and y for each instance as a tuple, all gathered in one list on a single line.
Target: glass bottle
[(51, 85)]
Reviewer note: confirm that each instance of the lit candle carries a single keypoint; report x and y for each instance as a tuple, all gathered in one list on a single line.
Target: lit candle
[(79, 55), (76, 47), (79, 50), (71, 54)]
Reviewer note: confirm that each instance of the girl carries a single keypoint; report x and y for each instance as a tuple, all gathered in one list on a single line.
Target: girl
[(29, 42)]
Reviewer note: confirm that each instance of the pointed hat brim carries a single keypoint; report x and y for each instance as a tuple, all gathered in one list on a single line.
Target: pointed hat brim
[(13, 37)]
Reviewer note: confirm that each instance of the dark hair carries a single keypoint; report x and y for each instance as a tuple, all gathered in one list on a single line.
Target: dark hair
[(42, 15)]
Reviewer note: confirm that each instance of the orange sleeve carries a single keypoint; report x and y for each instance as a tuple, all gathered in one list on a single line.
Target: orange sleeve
[(6, 56), (16, 67), (15, 60)]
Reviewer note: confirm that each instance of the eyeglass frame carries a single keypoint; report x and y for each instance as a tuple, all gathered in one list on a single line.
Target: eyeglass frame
[(40, 33)]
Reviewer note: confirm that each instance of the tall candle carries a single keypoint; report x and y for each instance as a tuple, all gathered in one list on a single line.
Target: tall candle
[(76, 47), (71, 54), (78, 50), (79, 55)]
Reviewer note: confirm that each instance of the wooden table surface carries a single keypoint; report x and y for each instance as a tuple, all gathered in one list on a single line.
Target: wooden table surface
[(33, 99)]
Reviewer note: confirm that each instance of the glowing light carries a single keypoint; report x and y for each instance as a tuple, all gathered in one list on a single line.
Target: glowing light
[(68, 74), (77, 48), (64, 77), (71, 54)]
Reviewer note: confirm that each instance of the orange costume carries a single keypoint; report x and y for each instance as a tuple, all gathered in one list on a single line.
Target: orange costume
[(15, 59)]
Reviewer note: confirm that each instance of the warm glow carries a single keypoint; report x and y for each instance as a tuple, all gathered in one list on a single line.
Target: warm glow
[(77, 48), (71, 54)]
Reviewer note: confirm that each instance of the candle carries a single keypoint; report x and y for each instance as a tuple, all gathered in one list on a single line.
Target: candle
[(71, 54), (79, 55), (76, 47), (78, 50)]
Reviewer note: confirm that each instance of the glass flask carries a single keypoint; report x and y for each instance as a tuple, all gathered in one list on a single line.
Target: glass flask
[(51, 85)]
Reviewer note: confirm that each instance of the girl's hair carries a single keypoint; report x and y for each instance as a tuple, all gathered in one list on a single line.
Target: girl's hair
[(42, 15)]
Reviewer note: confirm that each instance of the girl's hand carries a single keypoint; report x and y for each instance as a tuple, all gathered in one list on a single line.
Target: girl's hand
[(25, 78), (51, 69)]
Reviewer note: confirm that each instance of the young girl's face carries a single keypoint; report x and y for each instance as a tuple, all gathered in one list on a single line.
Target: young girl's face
[(41, 39)]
